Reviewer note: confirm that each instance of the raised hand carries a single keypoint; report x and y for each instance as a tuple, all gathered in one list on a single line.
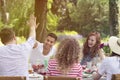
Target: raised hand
[(32, 24), (32, 21)]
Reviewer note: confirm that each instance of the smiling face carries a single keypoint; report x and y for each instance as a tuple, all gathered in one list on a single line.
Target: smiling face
[(49, 42), (92, 44), (91, 41)]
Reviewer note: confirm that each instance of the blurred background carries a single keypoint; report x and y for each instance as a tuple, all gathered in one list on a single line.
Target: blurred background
[(64, 17)]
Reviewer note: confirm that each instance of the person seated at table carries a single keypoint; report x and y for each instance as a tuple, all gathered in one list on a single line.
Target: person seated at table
[(42, 52), (110, 65), (91, 49), (66, 61), (13, 56)]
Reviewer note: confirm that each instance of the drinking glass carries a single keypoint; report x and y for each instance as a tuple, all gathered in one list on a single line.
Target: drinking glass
[(89, 65), (30, 69)]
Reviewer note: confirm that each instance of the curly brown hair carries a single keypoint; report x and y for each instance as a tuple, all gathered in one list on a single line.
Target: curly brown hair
[(95, 49), (67, 53)]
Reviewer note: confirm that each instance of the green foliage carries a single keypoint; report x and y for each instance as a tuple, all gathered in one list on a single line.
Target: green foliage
[(52, 21), (21, 39), (85, 16), (106, 47), (81, 16), (49, 4), (65, 32), (105, 39), (1, 24), (90, 15), (19, 11), (107, 50)]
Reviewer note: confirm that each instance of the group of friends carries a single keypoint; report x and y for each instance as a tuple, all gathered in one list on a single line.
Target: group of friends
[(67, 59)]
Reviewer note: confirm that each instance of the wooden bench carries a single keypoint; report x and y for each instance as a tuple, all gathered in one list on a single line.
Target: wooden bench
[(60, 78), (116, 77), (12, 78)]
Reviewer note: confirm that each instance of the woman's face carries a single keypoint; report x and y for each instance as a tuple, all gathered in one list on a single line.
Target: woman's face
[(91, 41)]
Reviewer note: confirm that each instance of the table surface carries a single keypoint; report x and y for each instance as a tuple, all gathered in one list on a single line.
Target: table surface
[(90, 77)]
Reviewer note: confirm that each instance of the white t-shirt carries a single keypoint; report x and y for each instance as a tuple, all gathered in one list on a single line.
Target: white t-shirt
[(14, 58), (109, 66), (37, 56)]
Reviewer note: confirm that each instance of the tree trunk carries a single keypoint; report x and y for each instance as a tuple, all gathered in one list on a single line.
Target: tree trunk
[(3, 11), (40, 13), (113, 17), (119, 16)]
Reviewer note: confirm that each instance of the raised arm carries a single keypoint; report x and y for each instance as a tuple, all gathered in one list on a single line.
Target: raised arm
[(102, 54), (32, 24)]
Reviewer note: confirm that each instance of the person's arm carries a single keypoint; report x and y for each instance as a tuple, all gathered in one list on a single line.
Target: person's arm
[(28, 45), (80, 69), (102, 54), (102, 69), (32, 24)]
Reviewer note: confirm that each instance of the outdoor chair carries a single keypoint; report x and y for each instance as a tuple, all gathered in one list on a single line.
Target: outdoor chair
[(116, 77), (60, 78)]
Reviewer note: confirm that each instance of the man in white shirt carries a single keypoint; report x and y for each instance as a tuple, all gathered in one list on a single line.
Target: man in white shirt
[(14, 57), (42, 52), (110, 65)]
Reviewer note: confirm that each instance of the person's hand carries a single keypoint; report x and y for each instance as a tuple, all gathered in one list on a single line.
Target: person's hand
[(32, 21), (35, 45), (35, 67), (41, 66), (32, 24), (84, 67)]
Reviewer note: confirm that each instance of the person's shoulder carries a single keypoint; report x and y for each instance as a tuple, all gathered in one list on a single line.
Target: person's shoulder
[(30, 42), (53, 47), (52, 61), (2, 47), (107, 59), (101, 49), (77, 64), (31, 39), (39, 43)]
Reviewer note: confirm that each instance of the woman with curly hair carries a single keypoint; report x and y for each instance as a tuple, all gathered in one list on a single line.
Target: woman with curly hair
[(91, 48), (66, 61)]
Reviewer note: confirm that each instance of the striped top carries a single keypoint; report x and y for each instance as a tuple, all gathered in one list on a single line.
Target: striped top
[(76, 70)]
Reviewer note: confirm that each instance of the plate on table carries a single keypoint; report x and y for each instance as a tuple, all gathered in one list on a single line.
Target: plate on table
[(35, 76)]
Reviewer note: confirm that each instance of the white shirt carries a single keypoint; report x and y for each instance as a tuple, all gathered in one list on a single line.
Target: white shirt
[(37, 56), (14, 58), (110, 65)]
